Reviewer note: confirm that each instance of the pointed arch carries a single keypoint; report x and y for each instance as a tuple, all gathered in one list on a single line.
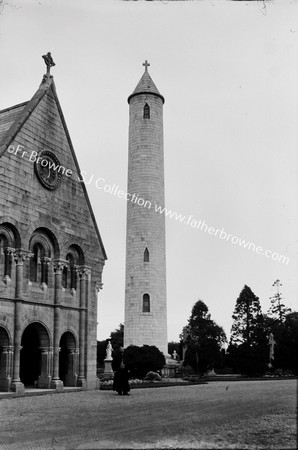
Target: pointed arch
[(146, 111)]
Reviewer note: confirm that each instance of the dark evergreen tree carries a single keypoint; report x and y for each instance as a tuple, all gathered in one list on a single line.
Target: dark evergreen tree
[(116, 341), (204, 340), (117, 337), (101, 352), (288, 343), (278, 310), (248, 348), (285, 334)]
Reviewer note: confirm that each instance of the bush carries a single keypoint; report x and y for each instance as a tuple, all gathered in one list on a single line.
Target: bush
[(141, 360), (153, 376)]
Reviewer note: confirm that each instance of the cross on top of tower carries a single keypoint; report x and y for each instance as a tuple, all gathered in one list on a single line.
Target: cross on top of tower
[(146, 64), (49, 62)]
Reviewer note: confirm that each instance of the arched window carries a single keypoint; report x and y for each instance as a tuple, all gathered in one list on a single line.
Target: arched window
[(146, 255), (37, 266), (69, 275), (64, 277), (43, 245), (146, 112), (7, 245), (2, 257), (146, 303)]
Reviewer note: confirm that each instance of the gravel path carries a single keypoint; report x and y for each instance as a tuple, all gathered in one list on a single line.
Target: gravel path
[(242, 414)]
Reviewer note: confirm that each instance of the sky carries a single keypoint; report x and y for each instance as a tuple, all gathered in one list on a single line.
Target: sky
[(228, 72)]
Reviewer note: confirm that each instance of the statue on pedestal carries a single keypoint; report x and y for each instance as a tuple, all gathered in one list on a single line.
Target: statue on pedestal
[(108, 360), (109, 350)]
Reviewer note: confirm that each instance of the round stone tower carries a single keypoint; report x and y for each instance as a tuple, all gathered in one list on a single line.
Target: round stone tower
[(145, 285)]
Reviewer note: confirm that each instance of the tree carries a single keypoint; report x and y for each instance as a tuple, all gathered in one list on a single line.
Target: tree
[(141, 360), (278, 310), (204, 339), (288, 343), (248, 347), (117, 337), (101, 352), (285, 335), (116, 341)]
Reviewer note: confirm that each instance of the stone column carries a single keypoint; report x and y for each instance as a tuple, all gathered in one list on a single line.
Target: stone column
[(51, 359), (19, 256), (45, 262), (44, 379), (71, 375), (59, 265), (83, 277), (10, 361), (5, 368)]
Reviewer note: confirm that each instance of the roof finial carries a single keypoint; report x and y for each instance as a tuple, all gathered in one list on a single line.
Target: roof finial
[(146, 64), (49, 62)]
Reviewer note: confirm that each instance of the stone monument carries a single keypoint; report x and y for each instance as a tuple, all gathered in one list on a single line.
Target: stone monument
[(108, 360)]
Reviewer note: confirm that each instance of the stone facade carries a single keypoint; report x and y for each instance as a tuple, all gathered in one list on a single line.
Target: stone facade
[(51, 253), (145, 289)]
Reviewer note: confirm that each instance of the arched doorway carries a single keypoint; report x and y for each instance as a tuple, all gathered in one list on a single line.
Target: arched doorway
[(35, 356), (68, 359), (5, 360)]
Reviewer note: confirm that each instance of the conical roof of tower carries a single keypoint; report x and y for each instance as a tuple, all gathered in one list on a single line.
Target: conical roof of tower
[(146, 86)]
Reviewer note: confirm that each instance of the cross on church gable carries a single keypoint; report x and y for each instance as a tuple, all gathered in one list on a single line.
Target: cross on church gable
[(48, 61), (146, 64)]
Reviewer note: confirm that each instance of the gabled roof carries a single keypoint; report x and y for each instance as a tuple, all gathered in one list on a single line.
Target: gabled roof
[(12, 119), (8, 116), (146, 86)]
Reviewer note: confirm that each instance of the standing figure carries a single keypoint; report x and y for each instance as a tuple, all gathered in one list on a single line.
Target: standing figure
[(109, 350), (120, 384)]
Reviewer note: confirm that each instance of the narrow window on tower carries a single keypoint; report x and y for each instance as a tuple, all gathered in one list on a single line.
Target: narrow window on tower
[(146, 303), (146, 255), (146, 114)]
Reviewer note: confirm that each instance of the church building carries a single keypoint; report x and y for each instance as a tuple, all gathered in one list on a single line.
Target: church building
[(51, 252)]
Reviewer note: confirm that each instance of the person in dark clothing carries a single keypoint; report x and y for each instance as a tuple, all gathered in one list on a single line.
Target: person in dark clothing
[(120, 383)]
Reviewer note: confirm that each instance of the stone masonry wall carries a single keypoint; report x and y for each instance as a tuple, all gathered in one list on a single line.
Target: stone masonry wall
[(146, 227)]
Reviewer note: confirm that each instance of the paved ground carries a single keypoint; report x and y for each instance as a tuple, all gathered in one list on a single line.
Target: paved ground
[(242, 414)]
